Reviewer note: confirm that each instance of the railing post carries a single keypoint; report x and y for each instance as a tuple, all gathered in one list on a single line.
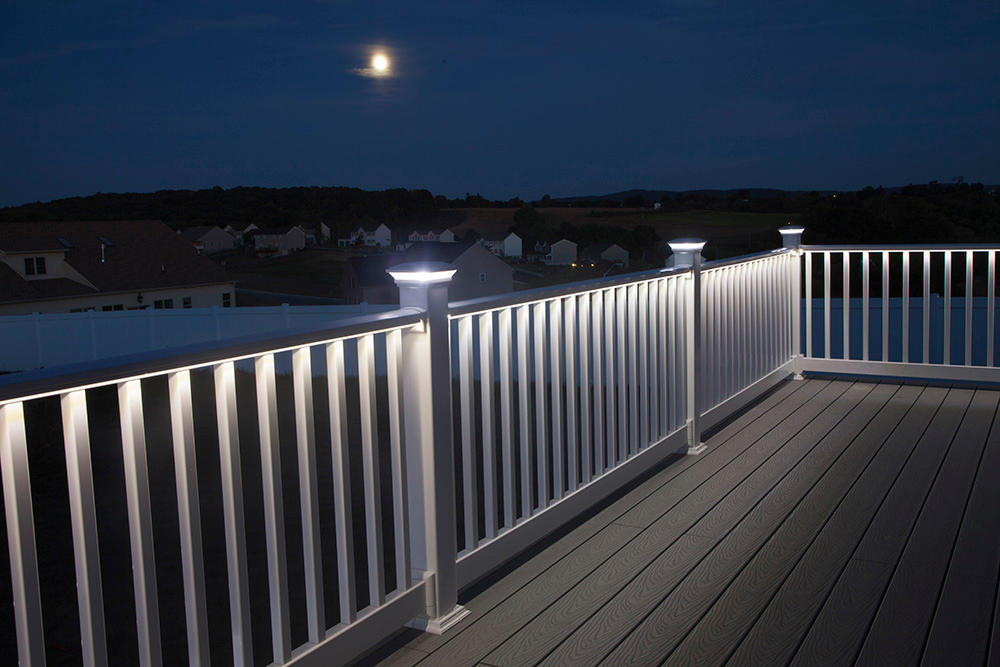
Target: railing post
[(791, 238), (687, 253), (427, 418)]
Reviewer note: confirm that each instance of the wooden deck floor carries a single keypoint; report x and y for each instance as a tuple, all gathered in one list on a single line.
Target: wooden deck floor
[(832, 523)]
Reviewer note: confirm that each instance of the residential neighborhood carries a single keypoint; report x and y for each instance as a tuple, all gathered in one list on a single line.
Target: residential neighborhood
[(53, 267)]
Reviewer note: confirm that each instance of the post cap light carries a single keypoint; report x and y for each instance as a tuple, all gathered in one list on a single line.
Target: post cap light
[(686, 245), (791, 236), (422, 273)]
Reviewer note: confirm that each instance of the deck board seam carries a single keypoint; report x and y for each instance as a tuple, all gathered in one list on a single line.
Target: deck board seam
[(829, 518), (639, 622), (958, 531), (847, 561), (992, 644), (909, 535), (847, 445)]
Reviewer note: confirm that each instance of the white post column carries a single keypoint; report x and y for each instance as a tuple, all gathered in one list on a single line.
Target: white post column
[(427, 421), (687, 254), (791, 238)]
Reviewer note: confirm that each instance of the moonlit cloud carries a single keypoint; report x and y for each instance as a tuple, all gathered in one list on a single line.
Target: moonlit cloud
[(370, 72)]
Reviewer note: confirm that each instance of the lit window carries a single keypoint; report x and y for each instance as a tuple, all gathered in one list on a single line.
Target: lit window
[(29, 266), (227, 300)]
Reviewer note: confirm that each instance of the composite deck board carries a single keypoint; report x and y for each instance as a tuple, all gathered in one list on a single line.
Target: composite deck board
[(717, 633), (777, 632), (480, 637), (524, 573), (843, 621), (664, 628), (905, 614), (648, 512), (802, 535), (713, 508), (960, 632)]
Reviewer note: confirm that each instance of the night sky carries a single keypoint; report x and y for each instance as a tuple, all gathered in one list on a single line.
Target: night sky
[(504, 99)]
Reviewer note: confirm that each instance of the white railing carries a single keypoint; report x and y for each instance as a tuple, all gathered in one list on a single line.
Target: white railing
[(549, 400), (747, 323), (905, 310), (563, 395), (247, 368)]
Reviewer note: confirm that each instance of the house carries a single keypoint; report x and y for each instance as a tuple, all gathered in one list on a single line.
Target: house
[(242, 233), (479, 272), (380, 236), (323, 233), (502, 245), (318, 234), (208, 238), (432, 235), (279, 240), (606, 252), (561, 253), (57, 267)]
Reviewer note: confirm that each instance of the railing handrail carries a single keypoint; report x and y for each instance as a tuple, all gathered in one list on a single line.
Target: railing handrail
[(496, 302), (56, 379), (742, 259), (897, 247)]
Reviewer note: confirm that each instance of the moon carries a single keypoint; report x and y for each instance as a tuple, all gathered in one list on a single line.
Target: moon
[(380, 63)]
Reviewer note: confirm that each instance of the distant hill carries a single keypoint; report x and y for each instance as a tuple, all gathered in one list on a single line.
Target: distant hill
[(658, 195)]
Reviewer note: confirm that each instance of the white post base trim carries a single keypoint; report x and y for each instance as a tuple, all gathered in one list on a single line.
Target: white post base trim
[(441, 624), (798, 376), (688, 450)]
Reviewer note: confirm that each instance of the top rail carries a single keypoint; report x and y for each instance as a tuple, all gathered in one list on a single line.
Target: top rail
[(48, 381), (741, 259), (896, 247), (483, 304)]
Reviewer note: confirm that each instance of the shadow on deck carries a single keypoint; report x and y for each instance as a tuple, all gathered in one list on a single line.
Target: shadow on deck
[(832, 522)]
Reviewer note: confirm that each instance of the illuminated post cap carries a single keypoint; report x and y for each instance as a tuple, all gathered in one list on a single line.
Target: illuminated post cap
[(684, 249), (791, 236), (422, 273)]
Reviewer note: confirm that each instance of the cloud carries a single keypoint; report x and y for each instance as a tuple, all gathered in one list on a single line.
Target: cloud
[(370, 72)]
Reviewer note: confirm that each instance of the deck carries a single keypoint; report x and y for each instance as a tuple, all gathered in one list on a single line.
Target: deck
[(833, 522)]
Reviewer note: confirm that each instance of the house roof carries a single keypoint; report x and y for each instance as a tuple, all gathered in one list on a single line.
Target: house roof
[(15, 288), (137, 255), (430, 251), (279, 230), (196, 233)]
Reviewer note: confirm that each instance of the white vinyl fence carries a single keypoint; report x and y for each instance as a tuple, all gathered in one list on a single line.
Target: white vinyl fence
[(39, 341)]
